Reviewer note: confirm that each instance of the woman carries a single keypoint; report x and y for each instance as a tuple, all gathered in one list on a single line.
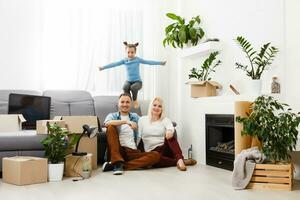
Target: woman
[(157, 133)]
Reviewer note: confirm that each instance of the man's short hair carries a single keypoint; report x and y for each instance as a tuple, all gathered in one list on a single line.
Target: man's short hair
[(125, 95)]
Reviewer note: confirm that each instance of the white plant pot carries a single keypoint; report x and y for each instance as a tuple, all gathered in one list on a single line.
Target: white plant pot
[(254, 87), (55, 171)]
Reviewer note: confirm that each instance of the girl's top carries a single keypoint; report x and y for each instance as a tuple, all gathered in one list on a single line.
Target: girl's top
[(133, 67)]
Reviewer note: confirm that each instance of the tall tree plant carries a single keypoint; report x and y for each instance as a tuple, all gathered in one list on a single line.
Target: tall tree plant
[(275, 126)]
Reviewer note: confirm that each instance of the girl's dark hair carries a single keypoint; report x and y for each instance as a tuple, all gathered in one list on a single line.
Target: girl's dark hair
[(131, 45)]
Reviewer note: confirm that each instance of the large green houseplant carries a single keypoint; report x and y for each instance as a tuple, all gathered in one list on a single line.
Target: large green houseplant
[(275, 126), (208, 66), (258, 60), (57, 145), (180, 33)]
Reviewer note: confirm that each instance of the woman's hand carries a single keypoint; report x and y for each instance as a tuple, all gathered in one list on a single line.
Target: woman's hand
[(169, 135)]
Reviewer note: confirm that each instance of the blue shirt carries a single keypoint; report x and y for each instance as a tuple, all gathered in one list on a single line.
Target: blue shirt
[(133, 67), (117, 116)]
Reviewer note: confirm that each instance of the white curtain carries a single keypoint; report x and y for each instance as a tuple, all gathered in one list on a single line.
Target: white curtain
[(79, 35)]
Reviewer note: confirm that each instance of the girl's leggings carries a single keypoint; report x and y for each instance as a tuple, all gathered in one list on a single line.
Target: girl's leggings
[(134, 87)]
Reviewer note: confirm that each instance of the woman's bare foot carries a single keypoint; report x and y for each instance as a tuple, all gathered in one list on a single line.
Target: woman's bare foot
[(180, 165), (136, 104)]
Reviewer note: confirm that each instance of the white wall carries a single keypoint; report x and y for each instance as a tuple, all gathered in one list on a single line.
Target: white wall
[(260, 22), (19, 44), (292, 69)]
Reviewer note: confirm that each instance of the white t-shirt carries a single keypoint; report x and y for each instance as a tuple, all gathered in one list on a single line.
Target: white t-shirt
[(153, 133), (126, 134)]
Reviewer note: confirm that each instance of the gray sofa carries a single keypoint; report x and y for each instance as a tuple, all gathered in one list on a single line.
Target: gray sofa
[(63, 103)]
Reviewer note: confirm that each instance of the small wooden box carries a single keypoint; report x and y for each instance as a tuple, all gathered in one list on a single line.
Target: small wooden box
[(272, 176)]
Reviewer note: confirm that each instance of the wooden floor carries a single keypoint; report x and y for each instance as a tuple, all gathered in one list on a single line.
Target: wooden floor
[(199, 182)]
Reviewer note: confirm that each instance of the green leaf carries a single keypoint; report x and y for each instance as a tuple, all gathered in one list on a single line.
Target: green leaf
[(182, 35), (193, 33), (169, 28), (175, 17)]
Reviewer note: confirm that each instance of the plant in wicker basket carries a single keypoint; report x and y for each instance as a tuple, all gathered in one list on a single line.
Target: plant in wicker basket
[(275, 125)]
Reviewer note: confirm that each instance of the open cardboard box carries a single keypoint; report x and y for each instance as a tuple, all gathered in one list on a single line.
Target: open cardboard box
[(203, 88), (11, 122), (41, 125), (74, 125)]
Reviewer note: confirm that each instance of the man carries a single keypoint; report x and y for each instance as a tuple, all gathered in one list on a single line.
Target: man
[(122, 136)]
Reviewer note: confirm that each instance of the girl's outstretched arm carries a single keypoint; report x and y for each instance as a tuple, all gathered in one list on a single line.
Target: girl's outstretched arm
[(151, 62), (114, 64)]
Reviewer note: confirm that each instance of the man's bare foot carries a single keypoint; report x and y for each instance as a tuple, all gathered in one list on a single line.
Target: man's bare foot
[(136, 104), (180, 165)]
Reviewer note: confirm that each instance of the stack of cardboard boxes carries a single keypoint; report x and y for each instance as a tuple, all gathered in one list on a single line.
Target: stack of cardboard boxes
[(30, 170)]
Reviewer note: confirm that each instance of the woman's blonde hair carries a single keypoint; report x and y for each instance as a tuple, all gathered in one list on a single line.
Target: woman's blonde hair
[(162, 115)]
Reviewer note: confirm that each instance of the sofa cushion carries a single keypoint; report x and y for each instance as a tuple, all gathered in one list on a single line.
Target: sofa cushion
[(70, 102), (4, 94), (21, 140)]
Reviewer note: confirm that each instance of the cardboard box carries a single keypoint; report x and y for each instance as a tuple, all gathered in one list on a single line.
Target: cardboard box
[(11, 122), (204, 88), (24, 170), (74, 125), (74, 164), (41, 125)]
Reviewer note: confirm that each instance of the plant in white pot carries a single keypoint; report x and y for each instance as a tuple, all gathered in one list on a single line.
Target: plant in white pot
[(204, 86), (57, 145), (258, 60)]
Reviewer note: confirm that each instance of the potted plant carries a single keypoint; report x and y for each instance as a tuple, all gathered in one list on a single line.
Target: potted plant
[(57, 145), (275, 126), (180, 33), (204, 86), (258, 60)]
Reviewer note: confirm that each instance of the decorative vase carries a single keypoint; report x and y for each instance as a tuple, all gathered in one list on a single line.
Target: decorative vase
[(55, 171), (253, 87)]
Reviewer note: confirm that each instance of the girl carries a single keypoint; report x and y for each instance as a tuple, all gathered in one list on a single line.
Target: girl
[(132, 63)]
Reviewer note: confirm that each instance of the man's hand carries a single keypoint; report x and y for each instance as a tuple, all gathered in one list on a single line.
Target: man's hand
[(169, 135), (100, 68), (132, 124), (164, 62)]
